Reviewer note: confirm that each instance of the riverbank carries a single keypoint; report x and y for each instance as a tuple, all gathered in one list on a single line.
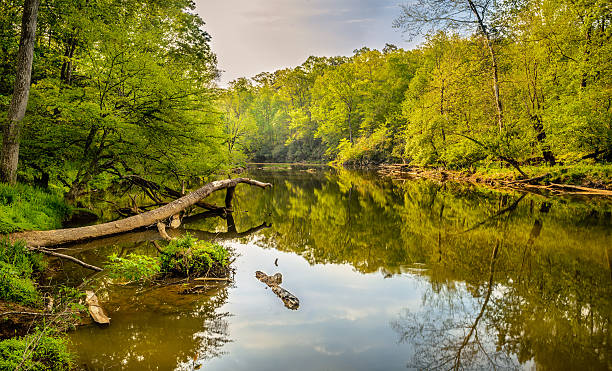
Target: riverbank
[(24, 207), (571, 179), (577, 179)]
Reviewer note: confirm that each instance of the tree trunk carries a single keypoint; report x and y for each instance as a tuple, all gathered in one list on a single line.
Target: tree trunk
[(62, 236), (498, 103), (494, 67), (9, 158)]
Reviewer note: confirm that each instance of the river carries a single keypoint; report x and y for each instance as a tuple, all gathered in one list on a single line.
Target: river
[(391, 275)]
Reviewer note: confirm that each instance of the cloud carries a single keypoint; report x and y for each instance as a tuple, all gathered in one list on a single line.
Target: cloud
[(252, 36)]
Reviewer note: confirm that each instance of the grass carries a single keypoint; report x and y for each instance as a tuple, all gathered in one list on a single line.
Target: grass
[(182, 257), (45, 348), (23, 207), (187, 256), (17, 265), (132, 268)]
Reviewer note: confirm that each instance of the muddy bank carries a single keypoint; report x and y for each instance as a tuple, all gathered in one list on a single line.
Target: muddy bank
[(16, 320)]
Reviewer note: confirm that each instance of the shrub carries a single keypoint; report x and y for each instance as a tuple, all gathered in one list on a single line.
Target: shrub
[(15, 288), (43, 352), (133, 268), (189, 256), (366, 150), (16, 267)]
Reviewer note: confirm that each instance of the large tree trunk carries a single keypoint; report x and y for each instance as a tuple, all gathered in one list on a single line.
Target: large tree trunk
[(9, 158), (62, 236)]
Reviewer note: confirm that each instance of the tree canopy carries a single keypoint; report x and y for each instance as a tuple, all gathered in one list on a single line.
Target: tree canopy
[(115, 92), (521, 83)]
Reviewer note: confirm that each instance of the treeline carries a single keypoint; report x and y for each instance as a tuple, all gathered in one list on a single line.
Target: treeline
[(525, 82), (118, 88)]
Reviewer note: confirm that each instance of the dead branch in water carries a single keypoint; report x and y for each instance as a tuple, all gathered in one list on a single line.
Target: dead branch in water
[(67, 257), (63, 236), (290, 300)]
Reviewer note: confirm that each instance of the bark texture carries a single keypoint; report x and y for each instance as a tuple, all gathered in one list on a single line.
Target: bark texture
[(62, 236), (11, 130)]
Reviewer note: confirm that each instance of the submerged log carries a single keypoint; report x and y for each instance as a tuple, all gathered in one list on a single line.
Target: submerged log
[(271, 281), (63, 236), (290, 300), (96, 311)]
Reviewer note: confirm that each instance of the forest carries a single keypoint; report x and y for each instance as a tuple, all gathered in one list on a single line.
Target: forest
[(525, 84), (115, 118), (114, 92)]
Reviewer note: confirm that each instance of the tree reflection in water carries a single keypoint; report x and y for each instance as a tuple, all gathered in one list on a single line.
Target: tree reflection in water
[(455, 339), (159, 329), (515, 279)]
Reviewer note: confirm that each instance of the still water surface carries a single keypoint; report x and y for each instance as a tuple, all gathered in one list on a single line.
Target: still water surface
[(391, 275)]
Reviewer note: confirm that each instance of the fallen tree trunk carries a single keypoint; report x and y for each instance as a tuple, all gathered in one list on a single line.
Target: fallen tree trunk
[(62, 236), (153, 235), (156, 192)]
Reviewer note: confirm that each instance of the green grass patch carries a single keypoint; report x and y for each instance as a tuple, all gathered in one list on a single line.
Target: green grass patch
[(23, 207), (17, 265), (183, 257), (36, 351)]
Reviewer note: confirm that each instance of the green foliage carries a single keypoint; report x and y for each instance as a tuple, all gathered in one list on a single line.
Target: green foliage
[(134, 267), (437, 102), (24, 207), (17, 265), (115, 93), (36, 351), (15, 287), (365, 151), (187, 255)]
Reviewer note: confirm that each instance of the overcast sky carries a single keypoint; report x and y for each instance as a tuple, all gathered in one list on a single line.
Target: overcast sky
[(252, 36)]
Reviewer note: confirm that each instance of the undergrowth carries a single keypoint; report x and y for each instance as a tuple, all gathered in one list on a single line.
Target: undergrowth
[(39, 350), (17, 265), (188, 256), (183, 257), (23, 207), (45, 348)]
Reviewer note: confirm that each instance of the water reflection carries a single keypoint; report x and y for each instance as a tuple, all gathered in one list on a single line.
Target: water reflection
[(542, 297), (389, 274), (155, 330)]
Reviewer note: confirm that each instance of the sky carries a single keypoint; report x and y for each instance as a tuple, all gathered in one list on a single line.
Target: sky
[(253, 36)]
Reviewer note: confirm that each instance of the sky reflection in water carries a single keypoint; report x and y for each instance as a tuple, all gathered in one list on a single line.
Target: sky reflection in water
[(412, 274)]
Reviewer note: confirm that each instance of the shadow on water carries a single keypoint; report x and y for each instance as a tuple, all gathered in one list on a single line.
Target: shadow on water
[(506, 280)]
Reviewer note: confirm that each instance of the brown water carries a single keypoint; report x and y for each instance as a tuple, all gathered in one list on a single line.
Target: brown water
[(412, 274)]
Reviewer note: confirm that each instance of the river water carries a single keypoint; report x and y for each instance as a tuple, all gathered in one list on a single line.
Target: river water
[(391, 275)]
